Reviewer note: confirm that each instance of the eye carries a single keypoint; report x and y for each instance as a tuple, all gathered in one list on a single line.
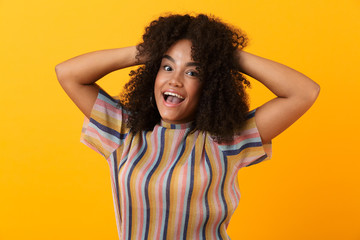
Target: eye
[(167, 68), (192, 73)]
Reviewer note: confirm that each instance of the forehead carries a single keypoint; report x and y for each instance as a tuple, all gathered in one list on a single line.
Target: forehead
[(181, 48)]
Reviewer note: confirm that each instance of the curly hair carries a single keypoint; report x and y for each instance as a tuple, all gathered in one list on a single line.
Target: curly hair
[(223, 104)]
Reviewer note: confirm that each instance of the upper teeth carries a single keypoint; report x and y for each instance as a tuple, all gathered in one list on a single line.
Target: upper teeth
[(173, 94)]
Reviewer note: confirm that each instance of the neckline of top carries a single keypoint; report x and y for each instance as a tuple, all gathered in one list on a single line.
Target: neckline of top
[(176, 126)]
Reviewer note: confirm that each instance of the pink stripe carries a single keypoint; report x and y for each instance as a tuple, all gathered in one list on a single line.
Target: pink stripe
[(108, 109), (134, 151), (246, 161), (122, 200), (234, 191), (140, 180), (123, 177), (251, 133), (182, 181), (204, 179), (115, 199), (107, 143), (161, 184), (231, 186), (216, 197)]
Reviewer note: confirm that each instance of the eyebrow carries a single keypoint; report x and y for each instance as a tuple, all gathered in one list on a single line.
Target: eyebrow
[(187, 64)]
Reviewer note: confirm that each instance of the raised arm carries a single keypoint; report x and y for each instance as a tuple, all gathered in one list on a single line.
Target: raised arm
[(78, 75), (295, 94)]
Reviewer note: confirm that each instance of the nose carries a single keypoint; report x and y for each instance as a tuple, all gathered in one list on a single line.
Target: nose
[(176, 80)]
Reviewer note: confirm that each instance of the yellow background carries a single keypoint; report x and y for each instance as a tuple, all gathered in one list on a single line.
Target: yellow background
[(53, 187)]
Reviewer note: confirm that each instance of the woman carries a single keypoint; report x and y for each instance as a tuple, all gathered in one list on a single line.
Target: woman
[(182, 129)]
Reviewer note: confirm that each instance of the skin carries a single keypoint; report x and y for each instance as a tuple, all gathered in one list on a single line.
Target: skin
[(177, 74), (78, 75), (295, 92)]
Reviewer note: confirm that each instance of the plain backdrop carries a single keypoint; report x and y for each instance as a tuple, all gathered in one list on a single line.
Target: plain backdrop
[(53, 187)]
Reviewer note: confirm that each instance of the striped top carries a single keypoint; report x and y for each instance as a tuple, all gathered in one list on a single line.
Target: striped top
[(171, 182)]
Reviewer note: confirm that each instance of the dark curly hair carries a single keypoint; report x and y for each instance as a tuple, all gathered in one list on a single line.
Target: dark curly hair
[(223, 105)]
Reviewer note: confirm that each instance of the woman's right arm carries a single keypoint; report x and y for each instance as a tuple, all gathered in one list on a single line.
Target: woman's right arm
[(78, 75)]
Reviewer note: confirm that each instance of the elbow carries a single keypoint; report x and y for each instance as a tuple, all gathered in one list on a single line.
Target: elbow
[(58, 68), (311, 94), (58, 71), (315, 92), (61, 73), (307, 94)]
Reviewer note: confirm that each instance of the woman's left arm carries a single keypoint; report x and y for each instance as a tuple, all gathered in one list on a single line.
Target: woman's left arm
[(295, 94)]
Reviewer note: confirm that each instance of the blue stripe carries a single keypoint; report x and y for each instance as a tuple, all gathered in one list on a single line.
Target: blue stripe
[(143, 188), (123, 161), (178, 156), (116, 175), (110, 100), (258, 160), (251, 114), (247, 145), (159, 157), (107, 98), (207, 195), (129, 208), (235, 147), (190, 193), (224, 161), (107, 132)]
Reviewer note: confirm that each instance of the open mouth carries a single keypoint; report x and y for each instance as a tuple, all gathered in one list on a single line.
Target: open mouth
[(173, 98)]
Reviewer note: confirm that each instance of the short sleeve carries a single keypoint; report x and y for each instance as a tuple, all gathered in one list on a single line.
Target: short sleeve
[(106, 129), (247, 148)]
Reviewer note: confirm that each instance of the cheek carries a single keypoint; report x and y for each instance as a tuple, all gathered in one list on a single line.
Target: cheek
[(196, 91), (157, 91), (195, 99), (158, 81)]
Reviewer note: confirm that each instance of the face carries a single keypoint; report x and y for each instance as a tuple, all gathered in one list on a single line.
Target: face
[(177, 86)]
